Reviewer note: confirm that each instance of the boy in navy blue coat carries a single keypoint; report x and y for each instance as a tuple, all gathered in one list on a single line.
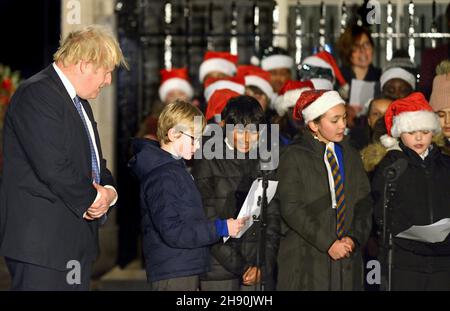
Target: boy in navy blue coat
[(176, 232)]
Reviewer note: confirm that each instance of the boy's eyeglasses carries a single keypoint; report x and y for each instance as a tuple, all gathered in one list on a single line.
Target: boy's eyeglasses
[(193, 139)]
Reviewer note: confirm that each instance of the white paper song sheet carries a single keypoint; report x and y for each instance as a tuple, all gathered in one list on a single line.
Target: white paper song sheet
[(250, 206), (436, 232), (360, 93)]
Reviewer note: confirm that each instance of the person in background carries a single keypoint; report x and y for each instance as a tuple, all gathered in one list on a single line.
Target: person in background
[(371, 155), (176, 231), (257, 84), (431, 58), (398, 79), (325, 202), (355, 47), (284, 106), (322, 70), (217, 65), (174, 85), (421, 196), (362, 136), (279, 64), (440, 102), (236, 84)]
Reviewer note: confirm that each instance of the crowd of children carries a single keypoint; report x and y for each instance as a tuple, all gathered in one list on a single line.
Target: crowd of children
[(331, 209)]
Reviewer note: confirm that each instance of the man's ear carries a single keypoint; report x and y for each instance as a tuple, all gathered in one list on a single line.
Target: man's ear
[(222, 124)]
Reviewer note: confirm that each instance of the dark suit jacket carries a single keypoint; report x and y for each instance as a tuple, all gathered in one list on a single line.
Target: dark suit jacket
[(47, 176)]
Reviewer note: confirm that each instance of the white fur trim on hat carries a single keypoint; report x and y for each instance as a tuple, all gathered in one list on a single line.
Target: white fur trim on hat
[(317, 62), (260, 83), (321, 105), (288, 100), (398, 73), (322, 84), (223, 84), (216, 64), (175, 84), (388, 141), (277, 61), (415, 121)]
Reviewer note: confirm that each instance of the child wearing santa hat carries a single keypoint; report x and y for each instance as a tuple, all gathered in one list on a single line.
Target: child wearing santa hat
[(217, 65), (421, 196), (175, 85), (279, 64), (284, 106), (257, 84), (325, 201), (322, 70)]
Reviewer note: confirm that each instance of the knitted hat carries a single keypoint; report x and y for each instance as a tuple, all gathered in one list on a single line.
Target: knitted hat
[(236, 84), (399, 68), (440, 96), (276, 57), (324, 59), (174, 79), (314, 103), (409, 114), (218, 101), (223, 62), (258, 77), (289, 94)]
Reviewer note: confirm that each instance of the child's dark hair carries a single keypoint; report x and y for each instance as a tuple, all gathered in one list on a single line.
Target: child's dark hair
[(379, 129), (379, 97), (243, 110)]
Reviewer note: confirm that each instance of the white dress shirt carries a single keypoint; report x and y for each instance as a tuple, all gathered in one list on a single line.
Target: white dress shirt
[(72, 93)]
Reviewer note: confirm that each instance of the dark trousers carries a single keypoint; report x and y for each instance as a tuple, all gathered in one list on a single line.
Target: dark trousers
[(186, 283), (29, 277), (420, 281)]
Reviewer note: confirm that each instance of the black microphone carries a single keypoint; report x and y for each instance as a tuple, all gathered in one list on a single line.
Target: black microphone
[(395, 170)]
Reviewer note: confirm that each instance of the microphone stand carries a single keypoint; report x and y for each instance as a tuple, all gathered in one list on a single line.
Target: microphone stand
[(392, 173), (389, 191), (262, 220)]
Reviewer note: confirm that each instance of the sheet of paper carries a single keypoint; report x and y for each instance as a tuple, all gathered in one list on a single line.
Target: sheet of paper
[(251, 207), (361, 92), (436, 232)]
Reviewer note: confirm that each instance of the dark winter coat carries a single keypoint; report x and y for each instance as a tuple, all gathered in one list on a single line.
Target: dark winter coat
[(224, 185), (310, 221), (176, 232), (422, 197)]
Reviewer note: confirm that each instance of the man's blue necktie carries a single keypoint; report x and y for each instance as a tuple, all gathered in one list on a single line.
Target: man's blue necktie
[(95, 168)]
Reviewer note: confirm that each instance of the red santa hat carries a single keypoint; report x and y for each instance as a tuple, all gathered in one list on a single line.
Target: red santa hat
[(409, 114), (224, 62), (314, 103), (258, 77), (174, 79), (218, 101), (289, 94), (324, 59), (236, 84)]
